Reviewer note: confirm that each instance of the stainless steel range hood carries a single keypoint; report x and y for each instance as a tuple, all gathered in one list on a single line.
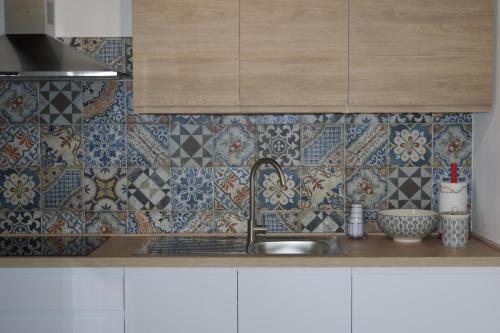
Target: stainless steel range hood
[(28, 49)]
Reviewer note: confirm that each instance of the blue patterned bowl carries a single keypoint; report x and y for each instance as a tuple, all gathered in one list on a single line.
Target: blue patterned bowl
[(408, 225)]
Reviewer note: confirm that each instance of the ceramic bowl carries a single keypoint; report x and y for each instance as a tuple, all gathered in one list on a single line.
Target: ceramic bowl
[(408, 225)]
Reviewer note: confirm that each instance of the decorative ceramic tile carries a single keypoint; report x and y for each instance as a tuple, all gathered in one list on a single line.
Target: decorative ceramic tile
[(62, 146), (149, 222), (232, 119), (105, 189), (334, 118), (64, 246), (192, 145), (20, 189), (20, 246), (281, 143), (440, 175), (62, 188), (149, 189), (20, 222), (452, 143), (104, 102), (192, 119), (322, 145), (367, 187), (128, 55), (18, 102), (452, 118), (366, 145), (19, 146), (410, 118), (228, 221), (273, 196), (366, 118), (61, 102), (281, 221), (235, 145), (322, 221), (106, 222), (148, 145), (104, 145), (322, 189), (193, 222), (59, 222), (410, 145), (108, 50), (269, 119), (232, 191), (192, 189), (410, 188), (141, 118), (312, 119)]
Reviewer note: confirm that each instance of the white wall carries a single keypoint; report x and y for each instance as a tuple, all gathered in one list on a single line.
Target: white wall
[(486, 136), (93, 18), (2, 19)]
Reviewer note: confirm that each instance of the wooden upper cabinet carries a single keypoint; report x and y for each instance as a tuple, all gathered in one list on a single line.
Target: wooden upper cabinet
[(293, 52), (185, 53), (420, 52)]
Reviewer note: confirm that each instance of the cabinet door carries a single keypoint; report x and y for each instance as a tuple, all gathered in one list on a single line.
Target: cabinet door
[(294, 300), (420, 52), (293, 52), (416, 300), (185, 53), (192, 300)]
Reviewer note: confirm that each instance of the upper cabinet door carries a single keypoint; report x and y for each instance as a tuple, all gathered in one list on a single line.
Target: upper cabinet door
[(420, 52), (185, 53), (293, 52)]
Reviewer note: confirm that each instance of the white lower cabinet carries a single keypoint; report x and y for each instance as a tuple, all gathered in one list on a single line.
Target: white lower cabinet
[(180, 300), (61, 300), (294, 300), (416, 300)]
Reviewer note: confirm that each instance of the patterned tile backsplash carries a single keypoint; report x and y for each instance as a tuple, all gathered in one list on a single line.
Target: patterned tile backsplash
[(76, 158)]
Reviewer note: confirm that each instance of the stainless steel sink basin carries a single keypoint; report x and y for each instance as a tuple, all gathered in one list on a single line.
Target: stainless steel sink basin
[(328, 246)]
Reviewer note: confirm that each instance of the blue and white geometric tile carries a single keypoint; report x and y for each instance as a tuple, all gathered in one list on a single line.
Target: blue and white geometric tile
[(105, 189), (18, 102), (192, 145), (273, 196), (20, 222), (62, 188), (410, 145), (19, 146), (20, 189), (232, 191), (63, 222), (62, 146), (281, 221), (367, 186), (149, 188), (410, 188), (322, 221), (452, 144), (193, 222), (322, 144), (149, 222), (104, 102), (235, 145), (61, 102), (322, 189), (148, 145), (366, 145), (192, 189), (106, 222), (104, 145), (281, 143)]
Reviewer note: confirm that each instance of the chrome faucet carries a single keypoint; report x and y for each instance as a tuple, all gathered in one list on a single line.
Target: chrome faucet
[(253, 228)]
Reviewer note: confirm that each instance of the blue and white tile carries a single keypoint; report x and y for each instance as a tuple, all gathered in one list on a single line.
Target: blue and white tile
[(281, 221), (272, 119), (19, 102), (19, 146), (149, 222), (272, 196), (192, 119), (322, 145), (452, 118), (193, 222), (312, 119), (366, 118), (321, 189), (105, 189), (235, 145), (106, 222), (20, 222), (148, 145), (235, 119), (322, 221), (192, 189), (281, 143), (149, 188), (104, 102), (366, 145), (62, 146), (440, 175), (192, 145), (367, 186), (410, 118), (104, 145), (231, 221), (231, 188), (61, 102), (20, 189), (62, 188), (334, 118), (410, 145), (63, 222), (452, 144)]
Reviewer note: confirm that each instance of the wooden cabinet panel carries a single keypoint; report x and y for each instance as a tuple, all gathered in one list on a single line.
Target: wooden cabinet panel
[(185, 53), (420, 52), (293, 52)]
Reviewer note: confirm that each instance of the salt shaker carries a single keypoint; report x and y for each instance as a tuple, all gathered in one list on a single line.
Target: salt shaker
[(355, 227)]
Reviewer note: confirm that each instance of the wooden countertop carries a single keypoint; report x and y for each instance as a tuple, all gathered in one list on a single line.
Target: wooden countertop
[(377, 250)]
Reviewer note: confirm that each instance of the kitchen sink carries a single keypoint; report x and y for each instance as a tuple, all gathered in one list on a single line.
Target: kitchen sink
[(180, 245)]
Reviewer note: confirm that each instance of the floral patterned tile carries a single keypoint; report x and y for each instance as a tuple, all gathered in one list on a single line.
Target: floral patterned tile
[(268, 119), (61, 102), (322, 145), (19, 146), (322, 221), (410, 118), (63, 222), (62, 188), (104, 145), (18, 102), (20, 189), (281, 221), (148, 145), (366, 118), (235, 145), (366, 145), (192, 145), (106, 222), (235, 119), (367, 186), (231, 188), (20, 222), (105, 189), (440, 175), (322, 189), (192, 189), (134, 117), (231, 222), (452, 118), (410, 145), (452, 144), (272, 196), (149, 222), (193, 222), (104, 102), (62, 146), (149, 188), (281, 143)]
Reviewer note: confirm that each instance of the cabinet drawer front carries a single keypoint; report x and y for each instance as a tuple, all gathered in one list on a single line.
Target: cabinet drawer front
[(61, 289)]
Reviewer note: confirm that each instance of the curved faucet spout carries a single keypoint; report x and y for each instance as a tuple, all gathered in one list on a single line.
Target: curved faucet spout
[(253, 228)]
